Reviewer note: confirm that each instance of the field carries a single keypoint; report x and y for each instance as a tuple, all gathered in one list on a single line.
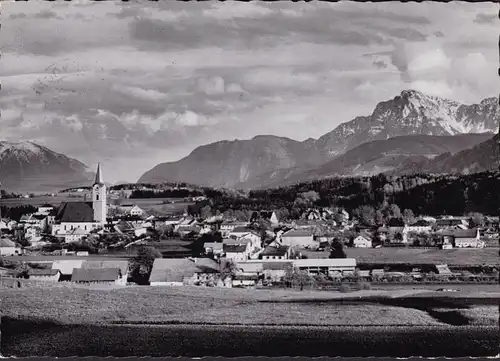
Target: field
[(210, 305), (190, 321), (481, 256)]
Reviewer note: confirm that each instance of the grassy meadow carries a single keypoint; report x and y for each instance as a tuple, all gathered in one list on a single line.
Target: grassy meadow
[(95, 305), (481, 256)]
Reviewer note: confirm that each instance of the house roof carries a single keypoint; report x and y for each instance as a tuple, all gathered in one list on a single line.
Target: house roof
[(172, 269), (421, 223), (462, 233), (66, 266), (238, 241), (43, 272), (75, 212), (39, 216), (206, 265), (273, 266), (242, 229), (364, 235), (95, 274), (298, 233), (121, 265), (5, 242), (46, 205), (234, 248), (275, 251)]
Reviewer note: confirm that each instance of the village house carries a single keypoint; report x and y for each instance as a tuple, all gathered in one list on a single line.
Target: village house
[(122, 265), (186, 222), (7, 224), (228, 226), (237, 252), (45, 209), (181, 271), (110, 276), (131, 210), (240, 231), (363, 240), (66, 267), (8, 248), (299, 238), (75, 235), (469, 238), (445, 223), (245, 280), (276, 252), (214, 248), (44, 274), (419, 226)]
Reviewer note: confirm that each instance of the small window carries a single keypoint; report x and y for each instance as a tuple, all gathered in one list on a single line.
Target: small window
[(97, 197)]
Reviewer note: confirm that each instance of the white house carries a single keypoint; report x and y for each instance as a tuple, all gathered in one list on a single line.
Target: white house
[(419, 226), (131, 210), (228, 226), (44, 274), (362, 241), (298, 237), (237, 252), (214, 248), (276, 252), (75, 235)]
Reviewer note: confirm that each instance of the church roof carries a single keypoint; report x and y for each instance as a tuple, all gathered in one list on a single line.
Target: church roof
[(98, 175), (75, 212)]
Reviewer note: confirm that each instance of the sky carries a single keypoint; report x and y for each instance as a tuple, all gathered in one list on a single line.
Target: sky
[(138, 83)]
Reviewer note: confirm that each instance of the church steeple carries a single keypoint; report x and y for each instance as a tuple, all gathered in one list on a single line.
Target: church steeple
[(98, 175)]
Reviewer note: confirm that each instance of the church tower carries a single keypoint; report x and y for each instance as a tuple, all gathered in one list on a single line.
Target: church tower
[(99, 197)]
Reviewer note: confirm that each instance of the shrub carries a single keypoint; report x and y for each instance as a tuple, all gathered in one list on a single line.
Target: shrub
[(364, 286), (344, 288)]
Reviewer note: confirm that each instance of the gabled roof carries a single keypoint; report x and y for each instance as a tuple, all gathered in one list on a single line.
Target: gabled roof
[(279, 251), (234, 248), (466, 233), (242, 229), (75, 212), (420, 223), (121, 265), (66, 266), (172, 269), (43, 272), (95, 274), (298, 233), (40, 217), (5, 242), (213, 245)]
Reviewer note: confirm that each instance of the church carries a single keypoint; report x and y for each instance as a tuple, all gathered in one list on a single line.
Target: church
[(75, 220)]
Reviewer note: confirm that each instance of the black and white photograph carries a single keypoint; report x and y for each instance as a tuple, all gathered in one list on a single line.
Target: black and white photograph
[(280, 178)]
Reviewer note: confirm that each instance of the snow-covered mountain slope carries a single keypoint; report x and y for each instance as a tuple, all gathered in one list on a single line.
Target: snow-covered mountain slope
[(29, 167)]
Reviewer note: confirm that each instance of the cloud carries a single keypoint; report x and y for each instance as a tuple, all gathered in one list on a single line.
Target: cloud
[(483, 18), (146, 94)]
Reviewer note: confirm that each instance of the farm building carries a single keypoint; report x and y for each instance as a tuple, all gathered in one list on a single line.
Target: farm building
[(276, 252), (214, 248), (326, 265), (180, 271), (362, 241), (66, 267), (8, 248), (298, 237), (237, 252), (44, 274), (275, 271), (107, 264), (97, 275), (245, 280), (469, 238)]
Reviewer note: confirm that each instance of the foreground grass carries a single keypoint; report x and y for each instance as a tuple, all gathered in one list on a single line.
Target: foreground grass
[(209, 305)]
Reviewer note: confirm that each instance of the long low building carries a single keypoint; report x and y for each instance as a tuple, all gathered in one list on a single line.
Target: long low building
[(311, 265)]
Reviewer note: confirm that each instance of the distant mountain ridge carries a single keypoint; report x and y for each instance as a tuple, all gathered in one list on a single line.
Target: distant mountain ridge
[(29, 167), (247, 163)]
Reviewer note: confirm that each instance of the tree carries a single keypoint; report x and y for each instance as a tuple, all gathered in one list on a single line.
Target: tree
[(395, 212), (197, 247), (228, 268), (142, 264), (206, 212), (379, 217), (476, 219), (408, 216), (295, 277), (366, 214), (337, 249)]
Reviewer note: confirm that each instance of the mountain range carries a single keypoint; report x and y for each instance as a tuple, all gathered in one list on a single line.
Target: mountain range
[(29, 167), (412, 131)]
